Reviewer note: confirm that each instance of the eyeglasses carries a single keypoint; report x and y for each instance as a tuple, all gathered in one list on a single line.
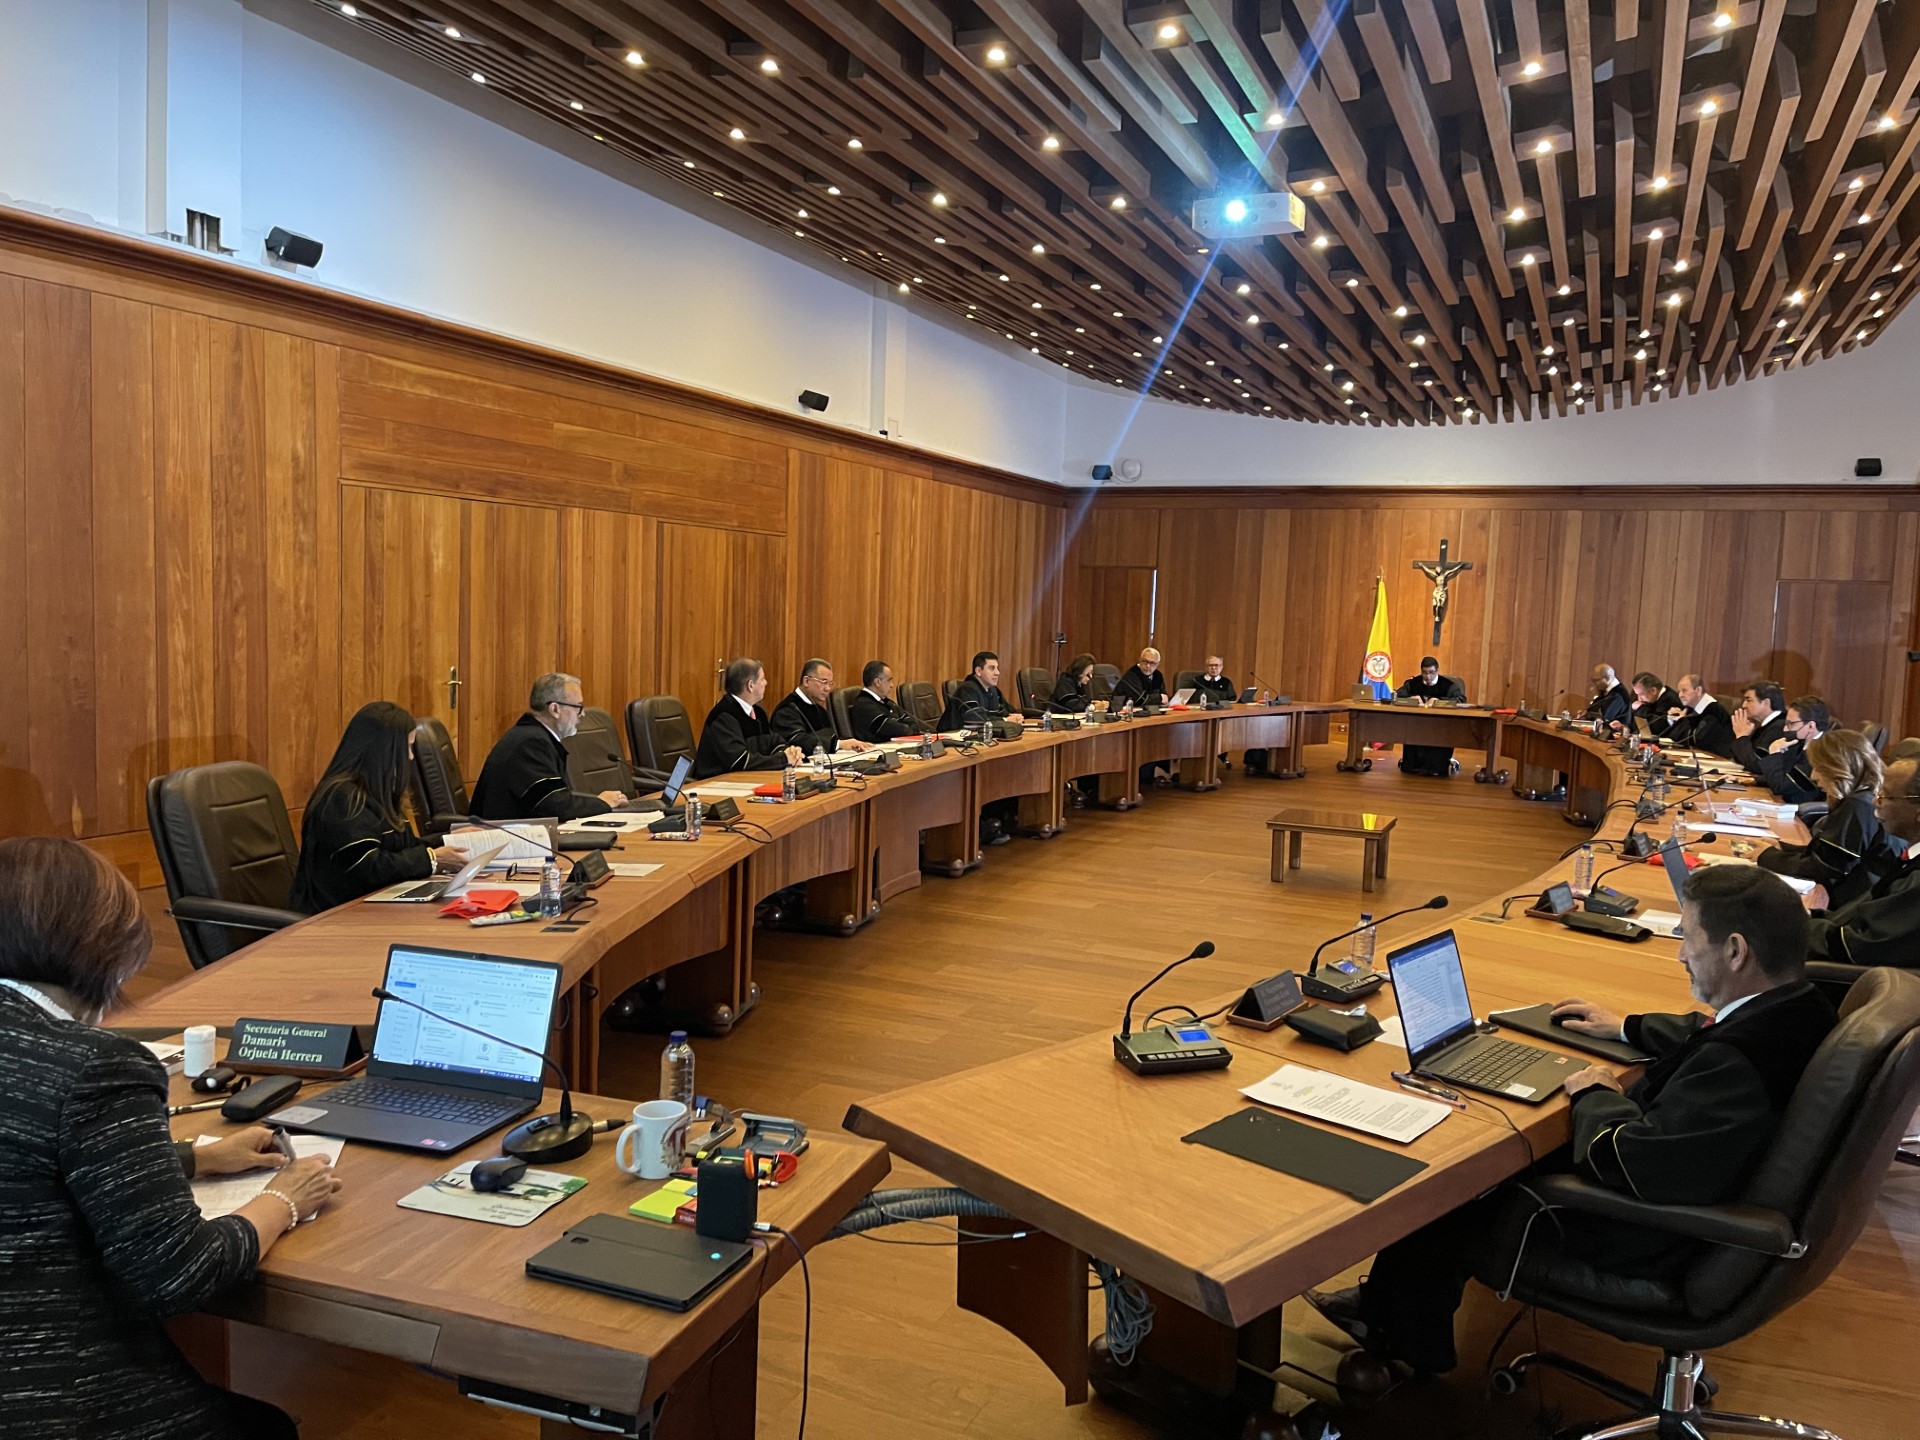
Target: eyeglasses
[(569, 704)]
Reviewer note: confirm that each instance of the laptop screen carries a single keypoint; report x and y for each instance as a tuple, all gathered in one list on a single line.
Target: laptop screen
[(509, 998), (677, 779), (1675, 859), (1431, 989)]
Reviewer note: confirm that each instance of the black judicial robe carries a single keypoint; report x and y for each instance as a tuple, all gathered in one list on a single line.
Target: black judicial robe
[(798, 721), (1141, 688), (526, 775), (973, 702), (1218, 688), (877, 720), (1709, 729), (1429, 759), (733, 740), (1881, 927), (1789, 775), (1615, 704), (348, 850), (1069, 696), (1655, 711), (1749, 751), (1846, 853)]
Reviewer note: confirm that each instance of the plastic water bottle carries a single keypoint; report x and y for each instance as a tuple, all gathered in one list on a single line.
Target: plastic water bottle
[(1678, 834), (550, 887), (926, 746), (1583, 872), (820, 755), (693, 817), (1046, 720), (1363, 943), (787, 783), (676, 1070)]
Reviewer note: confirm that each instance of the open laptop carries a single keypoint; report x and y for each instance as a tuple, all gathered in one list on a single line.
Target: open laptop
[(420, 892), (430, 1085), (1665, 922), (1182, 697), (1443, 1040)]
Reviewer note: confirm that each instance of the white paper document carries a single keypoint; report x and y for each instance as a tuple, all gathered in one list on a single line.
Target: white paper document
[(516, 842), (1393, 1032), (218, 1195), (709, 789), (1390, 1114), (633, 872), (1660, 922), (1721, 827), (620, 821)]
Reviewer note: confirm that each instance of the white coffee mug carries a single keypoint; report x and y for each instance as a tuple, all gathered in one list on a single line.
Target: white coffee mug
[(650, 1146)]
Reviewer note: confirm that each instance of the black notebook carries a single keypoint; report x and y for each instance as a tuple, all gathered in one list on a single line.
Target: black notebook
[(1366, 1172)]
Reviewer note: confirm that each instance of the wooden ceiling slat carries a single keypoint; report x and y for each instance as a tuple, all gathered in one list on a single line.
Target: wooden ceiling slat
[(1838, 27), (1393, 68)]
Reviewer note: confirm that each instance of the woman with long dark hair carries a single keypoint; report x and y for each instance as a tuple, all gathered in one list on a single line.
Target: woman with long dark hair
[(357, 836)]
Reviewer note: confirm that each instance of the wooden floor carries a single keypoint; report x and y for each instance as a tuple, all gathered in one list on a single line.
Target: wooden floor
[(1044, 943)]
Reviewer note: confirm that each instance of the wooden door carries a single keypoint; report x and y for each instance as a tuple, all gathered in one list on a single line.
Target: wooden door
[(722, 596), (509, 618), (1832, 638), (402, 594)]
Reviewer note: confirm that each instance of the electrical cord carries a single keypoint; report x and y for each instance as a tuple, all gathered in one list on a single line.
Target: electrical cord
[(745, 828), (806, 1329), (1129, 1313)]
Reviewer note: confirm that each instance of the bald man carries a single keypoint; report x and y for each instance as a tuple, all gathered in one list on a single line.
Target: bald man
[(1611, 700), (1699, 722)]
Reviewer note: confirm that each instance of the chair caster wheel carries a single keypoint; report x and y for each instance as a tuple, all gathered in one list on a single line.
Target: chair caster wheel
[(1481, 777), (1366, 764), (1505, 777), (1504, 1381)]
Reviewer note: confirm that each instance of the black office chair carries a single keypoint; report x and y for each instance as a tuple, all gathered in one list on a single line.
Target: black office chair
[(1105, 678), (838, 704), (1186, 680), (437, 769), (917, 698), (1036, 689), (227, 854), (659, 732), (1876, 734), (593, 756), (1803, 1208), (948, 689)]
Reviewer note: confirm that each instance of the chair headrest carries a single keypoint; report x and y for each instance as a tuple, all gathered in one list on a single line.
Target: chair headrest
[(226, 832)]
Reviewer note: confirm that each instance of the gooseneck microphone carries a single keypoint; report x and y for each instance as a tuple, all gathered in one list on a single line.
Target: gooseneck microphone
[(1357, 983), (1169, 1051), (545, 1139)]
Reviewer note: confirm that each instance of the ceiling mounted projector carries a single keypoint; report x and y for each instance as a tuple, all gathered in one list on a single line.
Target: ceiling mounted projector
[(1226, 217)]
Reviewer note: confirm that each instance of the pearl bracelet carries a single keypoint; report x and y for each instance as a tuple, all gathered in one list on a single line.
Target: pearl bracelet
[(293, 1210)]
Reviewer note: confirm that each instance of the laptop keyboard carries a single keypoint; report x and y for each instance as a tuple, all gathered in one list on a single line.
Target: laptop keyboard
[(429, 1104), (430, 890), (1493, 1063)]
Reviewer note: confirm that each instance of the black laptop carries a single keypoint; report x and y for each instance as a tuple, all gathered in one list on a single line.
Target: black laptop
[(666, 1265), (433, 1086), (1445, 1043)]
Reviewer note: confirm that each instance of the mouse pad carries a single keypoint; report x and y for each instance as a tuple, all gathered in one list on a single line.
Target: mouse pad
[(1366, 1172), (1537, 1020)]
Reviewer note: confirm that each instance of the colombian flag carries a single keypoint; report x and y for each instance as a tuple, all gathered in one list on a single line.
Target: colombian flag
[(1378, 669)]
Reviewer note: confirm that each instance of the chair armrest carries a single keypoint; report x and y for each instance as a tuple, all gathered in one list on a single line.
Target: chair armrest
[(1745, 1227), (1834, 972), (200, 910)]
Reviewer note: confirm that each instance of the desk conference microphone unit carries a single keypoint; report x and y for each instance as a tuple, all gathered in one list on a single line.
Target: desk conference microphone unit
[(1170, 1050), (545, 1139), (1343, 979)]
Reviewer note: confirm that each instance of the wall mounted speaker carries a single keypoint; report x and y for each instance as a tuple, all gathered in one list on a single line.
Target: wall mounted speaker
[(812, 400), (1103, 472), (1867, 469), (292, 248)]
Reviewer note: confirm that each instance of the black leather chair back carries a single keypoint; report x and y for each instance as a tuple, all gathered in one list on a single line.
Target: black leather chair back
[(221, 832), (948, 688), (1876, 734), (1185, 680), (1036, 688), (917, 698), (659, 732), (1105, 677), (438, 770), (589, 770), (837, 706)]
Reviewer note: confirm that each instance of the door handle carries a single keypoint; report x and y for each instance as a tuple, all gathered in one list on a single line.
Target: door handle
[(454, 682)]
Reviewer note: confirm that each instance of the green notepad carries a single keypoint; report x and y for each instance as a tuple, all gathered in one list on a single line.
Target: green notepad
[(662, 1203)]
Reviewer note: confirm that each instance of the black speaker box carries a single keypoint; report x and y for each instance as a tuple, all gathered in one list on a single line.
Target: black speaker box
[(812, 400), (292, 248), (1867, 469), (729, 1199)]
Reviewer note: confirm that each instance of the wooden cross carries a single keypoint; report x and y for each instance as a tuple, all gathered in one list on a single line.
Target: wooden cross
[(1441, 573)]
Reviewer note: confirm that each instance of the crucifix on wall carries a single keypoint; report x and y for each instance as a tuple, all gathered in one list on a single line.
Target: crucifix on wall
[(1441, 573)]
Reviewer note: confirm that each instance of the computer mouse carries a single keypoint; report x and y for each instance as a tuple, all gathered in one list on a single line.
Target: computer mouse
[(1560, 1019), (490, 1176)]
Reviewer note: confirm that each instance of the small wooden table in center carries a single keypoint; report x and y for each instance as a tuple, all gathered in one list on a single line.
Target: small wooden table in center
[(1289, 825)]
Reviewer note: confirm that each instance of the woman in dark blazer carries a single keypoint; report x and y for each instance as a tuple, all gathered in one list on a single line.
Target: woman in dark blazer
[(100, 1238), (355, 837), (1848, 850), (1071, 692)]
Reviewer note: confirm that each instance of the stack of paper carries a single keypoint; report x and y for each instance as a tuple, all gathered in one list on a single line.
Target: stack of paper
[(1387, 1113)]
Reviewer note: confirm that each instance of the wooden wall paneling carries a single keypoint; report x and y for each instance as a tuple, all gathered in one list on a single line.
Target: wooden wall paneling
[(1733, 606), (834, 545), (509, 617), (1118, 535), (1268, 661), (917, 575), (1118, 605), (236, 458), (120, 386), (1209, 577), (722, 596), (608, 619), (402, 584), (23, 799), (57, 683), (1900, 685), (1409, 593), (1830, 638)]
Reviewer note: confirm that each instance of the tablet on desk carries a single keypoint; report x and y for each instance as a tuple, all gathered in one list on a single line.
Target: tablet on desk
[(665, 1265)]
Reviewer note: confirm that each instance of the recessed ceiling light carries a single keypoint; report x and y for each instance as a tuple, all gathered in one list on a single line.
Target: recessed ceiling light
[(855, 144), (1275, 119), (1547, 351), (1553, 369), (1567, 323), (1094, 286), (1346, 385), (686, 163), (1169, 31), (635, 58), (1119, 202), (1856, 183), (1052, 142), (1203, 250), (1353, 284), (1680, 267), (769, 66), (1527, 259), (996, 54), (1722, 20), (718, 196), (834, 190), (1316, 187), (1861, 335), (1673, 299), (1038, 248), (1319, 242), (1243, 288), (1209, 364), (1545, 147), (1517, 213), (1158, 341), (1564, 290), (1006, 279), (917, 280), (736, 133), (1707, 107), (452, 33), (575, 105), (800, 234), (1399, 312), (1640, 354), (1887, 122), (1530, 69), (940, 198), (349, 12), (1659, 182), (477, 78), (801, 214), (1033, 305), (1656, 233), (1865, 216), (1253, 319), (1798, 297), (1420, 339), (903, 288)]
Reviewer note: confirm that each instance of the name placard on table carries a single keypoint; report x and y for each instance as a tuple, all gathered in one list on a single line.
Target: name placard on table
[(295, 1047)]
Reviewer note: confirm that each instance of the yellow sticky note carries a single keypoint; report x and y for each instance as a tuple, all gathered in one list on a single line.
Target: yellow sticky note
[(662, 1203)]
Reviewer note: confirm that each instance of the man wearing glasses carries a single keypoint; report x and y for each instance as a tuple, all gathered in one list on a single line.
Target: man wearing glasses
[(526, 772), (1881, 927)]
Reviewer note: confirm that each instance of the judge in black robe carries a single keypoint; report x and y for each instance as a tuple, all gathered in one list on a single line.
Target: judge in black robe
[(1762, 720), (1073, 689), (803, 719), (1881, 927), (526, 771), (737, 734), (1611, 700), (977, 697), (1425, 688), (1703, 722), (1651, 702), (875, 714), (355, 837), (1784, 765), (1690, 1131), (1143, 683), (1847, 852)]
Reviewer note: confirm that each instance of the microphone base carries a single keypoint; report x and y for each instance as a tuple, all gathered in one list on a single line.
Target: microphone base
[(1338, 987), (1165, 1052), (546, 1140)]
